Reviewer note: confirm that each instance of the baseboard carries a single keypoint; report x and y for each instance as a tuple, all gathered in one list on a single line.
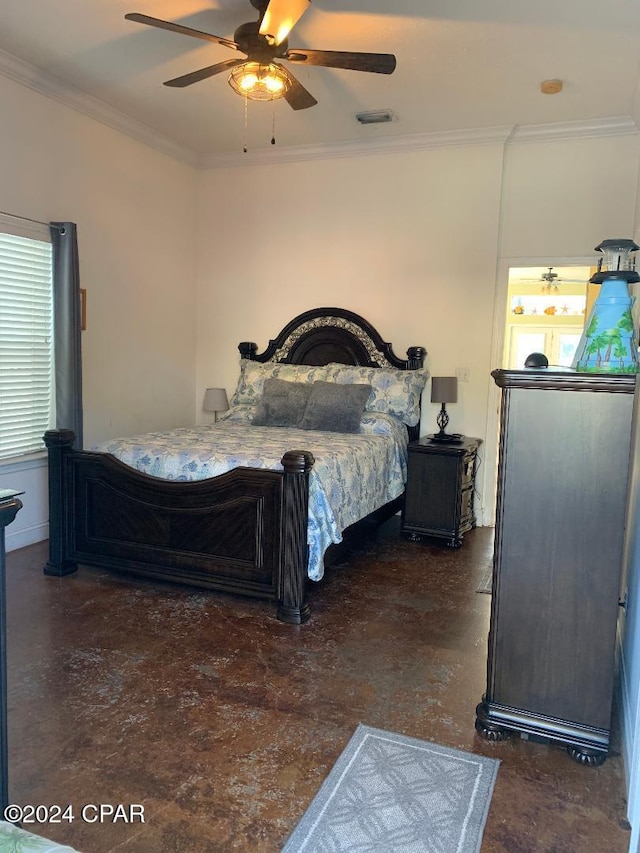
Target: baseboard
[(20, 538)]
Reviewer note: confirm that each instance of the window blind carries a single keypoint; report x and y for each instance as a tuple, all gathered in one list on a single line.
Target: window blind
[(26, 343)]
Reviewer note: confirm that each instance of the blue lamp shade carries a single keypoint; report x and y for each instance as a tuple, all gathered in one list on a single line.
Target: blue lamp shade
[(607, 344)]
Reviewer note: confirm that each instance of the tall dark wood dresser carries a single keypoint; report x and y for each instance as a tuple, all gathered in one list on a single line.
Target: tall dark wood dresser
[(560, 517)]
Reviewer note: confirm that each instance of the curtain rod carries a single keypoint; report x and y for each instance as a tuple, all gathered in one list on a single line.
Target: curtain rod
[(36, 221)]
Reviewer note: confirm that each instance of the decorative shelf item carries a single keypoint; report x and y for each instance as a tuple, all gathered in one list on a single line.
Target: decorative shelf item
[(607, 344), (571, 305)]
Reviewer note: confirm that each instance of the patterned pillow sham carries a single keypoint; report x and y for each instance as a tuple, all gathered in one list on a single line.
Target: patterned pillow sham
[(253, 373), (394, 392)]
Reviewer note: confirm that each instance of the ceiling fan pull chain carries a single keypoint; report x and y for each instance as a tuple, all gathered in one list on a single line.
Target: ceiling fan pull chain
[(273, 121), (246, 123)]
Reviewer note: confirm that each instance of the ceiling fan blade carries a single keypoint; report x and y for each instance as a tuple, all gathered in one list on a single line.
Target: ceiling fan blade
[(379, 63), (297, 96), (203, 73), (280, 18), (178, 28)]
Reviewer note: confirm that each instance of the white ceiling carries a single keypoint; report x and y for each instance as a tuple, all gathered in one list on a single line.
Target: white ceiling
[(461, 65)]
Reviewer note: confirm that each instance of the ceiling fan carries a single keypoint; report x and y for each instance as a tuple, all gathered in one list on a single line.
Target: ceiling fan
[(550, 278), (260, 76), (550, 281)]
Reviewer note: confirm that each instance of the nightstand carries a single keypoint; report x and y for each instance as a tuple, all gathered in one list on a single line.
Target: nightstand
[(440, 486)]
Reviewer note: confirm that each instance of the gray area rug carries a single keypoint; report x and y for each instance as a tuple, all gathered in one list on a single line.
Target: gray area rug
[(486, 583), (388, 792)]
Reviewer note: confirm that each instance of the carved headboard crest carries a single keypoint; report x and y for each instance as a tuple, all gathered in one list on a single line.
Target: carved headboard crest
[(282, 352), (332, 334)]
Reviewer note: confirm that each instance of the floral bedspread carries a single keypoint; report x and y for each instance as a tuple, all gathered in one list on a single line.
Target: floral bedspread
[(353, 473)]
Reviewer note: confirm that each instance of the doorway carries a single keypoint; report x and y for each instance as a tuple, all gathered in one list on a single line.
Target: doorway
[(545, 312), (545, 315)]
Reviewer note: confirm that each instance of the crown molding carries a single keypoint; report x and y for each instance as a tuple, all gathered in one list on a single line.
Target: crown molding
[(359, 148), (617, 126), (601, 127), (34, 78)]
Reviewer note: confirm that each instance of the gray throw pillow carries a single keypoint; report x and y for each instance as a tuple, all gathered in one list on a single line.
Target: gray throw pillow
[(334, 407), (282, 403)]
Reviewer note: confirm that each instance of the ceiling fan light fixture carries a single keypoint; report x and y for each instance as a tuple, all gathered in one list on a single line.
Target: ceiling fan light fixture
[(260, 82)]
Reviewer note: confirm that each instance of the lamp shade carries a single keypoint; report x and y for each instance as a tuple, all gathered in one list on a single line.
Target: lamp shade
[(215, 400), (444, 389)]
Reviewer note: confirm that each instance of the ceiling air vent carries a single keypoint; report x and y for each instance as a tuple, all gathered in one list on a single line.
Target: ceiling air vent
[(375, 116)]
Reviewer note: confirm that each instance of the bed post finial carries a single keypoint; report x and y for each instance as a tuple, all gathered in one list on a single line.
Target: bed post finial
[(247, 349), (416, 357)]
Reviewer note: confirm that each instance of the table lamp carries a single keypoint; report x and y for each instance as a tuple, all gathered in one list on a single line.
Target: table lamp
[(444, 389), (215, 400)]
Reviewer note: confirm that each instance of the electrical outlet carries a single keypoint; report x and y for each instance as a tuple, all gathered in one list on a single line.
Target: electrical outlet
[(463, 374)]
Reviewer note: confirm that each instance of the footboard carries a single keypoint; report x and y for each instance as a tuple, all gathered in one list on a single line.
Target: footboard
[(242, 532)]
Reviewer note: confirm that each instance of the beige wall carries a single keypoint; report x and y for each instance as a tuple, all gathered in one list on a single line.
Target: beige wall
[(562, 198), (419, 243), (407, 240), (135, 210)]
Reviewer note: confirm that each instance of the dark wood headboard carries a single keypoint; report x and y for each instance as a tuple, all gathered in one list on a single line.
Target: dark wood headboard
[(325, 335)]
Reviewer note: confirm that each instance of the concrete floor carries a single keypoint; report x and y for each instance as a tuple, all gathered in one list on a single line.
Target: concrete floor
[(222, 722)]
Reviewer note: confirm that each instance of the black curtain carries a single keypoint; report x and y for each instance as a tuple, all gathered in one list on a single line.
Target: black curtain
[(66, 320)]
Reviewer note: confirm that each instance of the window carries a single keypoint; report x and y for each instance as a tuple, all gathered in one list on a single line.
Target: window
[(26, 338)]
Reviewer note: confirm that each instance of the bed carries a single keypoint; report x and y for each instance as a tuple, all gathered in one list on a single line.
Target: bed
[(247, 528)]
